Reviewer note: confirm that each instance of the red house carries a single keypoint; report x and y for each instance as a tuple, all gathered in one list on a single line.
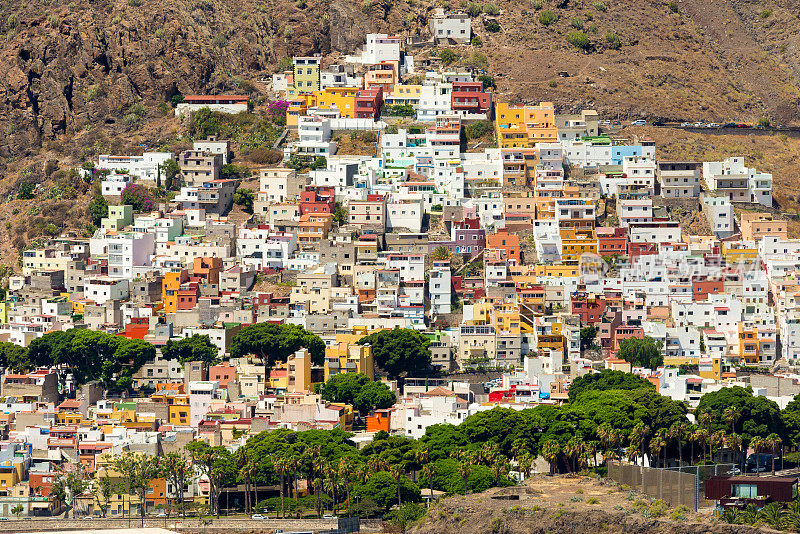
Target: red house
[(611, 241), (369, 103), (589, 307), (317, 199), (470, 98), (703, 286)]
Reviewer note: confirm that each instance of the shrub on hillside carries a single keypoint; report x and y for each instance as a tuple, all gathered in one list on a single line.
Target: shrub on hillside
[(578, 39)]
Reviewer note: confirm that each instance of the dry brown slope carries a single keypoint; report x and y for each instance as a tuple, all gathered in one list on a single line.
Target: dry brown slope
[(712, 61)]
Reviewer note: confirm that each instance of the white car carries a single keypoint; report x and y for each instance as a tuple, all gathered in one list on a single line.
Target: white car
[(686, 125), (257, 516), (639, 122), (713, 125), (699, 125), (329, 516)]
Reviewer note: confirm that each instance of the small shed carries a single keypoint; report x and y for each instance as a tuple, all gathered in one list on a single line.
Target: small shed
[(741, 491)]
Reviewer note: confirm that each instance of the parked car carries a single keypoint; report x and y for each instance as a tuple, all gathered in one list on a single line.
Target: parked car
[(329, 516), (699, 125), (4, 519), (742, 125), (88, 517), (714, 125), (639, 122), (257, 516), (686, 125), (729, 125), (658, 123)]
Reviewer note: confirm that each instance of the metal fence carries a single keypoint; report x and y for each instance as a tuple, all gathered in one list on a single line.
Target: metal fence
[(673, 487)]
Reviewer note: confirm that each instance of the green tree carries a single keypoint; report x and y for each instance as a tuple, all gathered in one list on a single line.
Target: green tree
[(448, 56), (374, 395), (14, 357), (487, 81), (138, 470), (344, 387), (172, 172), (340, 214), (204, 123), (478, 129), (400, 352), (644, 352), (244, 197), (406, 515), (104, 489), (26, 190), (97, 209), (382, 488), (760, 416), (217, 464), (17, 510), (192, 349), (234, 172), (588, 335), (606, 379), (440, 253), (275, 342), (176, 469)]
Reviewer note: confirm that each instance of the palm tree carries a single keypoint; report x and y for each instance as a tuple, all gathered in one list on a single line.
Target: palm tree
[(731, 415), (499, 467), (574, 450), (465, 469), (606, 434), (281, 465), (422, 457), (525, 462), (734, 443), (655, 449), (638, 438), (717, 441), (397, 472), (701, 437), (345, 470), (429, 471), (773, 443), (332, 483), (550, 451), (676, 433), (757, 443)]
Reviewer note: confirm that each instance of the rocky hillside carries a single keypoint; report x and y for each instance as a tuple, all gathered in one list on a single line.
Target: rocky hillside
[(68, 67), (71, 66)]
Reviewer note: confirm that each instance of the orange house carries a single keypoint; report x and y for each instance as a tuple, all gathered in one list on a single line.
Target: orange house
[(170, 287), (208, 269), (156, 496), (380, 420), (508, 242)]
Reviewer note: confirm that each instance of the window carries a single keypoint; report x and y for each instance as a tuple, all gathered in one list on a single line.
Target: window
[(744, 491)]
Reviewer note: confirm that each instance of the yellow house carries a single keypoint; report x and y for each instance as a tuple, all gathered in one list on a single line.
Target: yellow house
[(574, 244), (739, 253), (4, 306), (298, 106), (179, 414), (558, 270), (347, 357), (525, 126), (339, 98), (10, 475), (69, 418), (402, 95)]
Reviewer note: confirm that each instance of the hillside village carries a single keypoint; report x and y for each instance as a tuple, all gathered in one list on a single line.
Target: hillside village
[(513, 248)]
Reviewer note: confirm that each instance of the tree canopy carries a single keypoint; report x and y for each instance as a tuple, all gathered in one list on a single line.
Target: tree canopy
[(275, 342), (606, 379), (645, 352), (759, 415), (192, 349), (400, 352), (91, 355), (358, 390)]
